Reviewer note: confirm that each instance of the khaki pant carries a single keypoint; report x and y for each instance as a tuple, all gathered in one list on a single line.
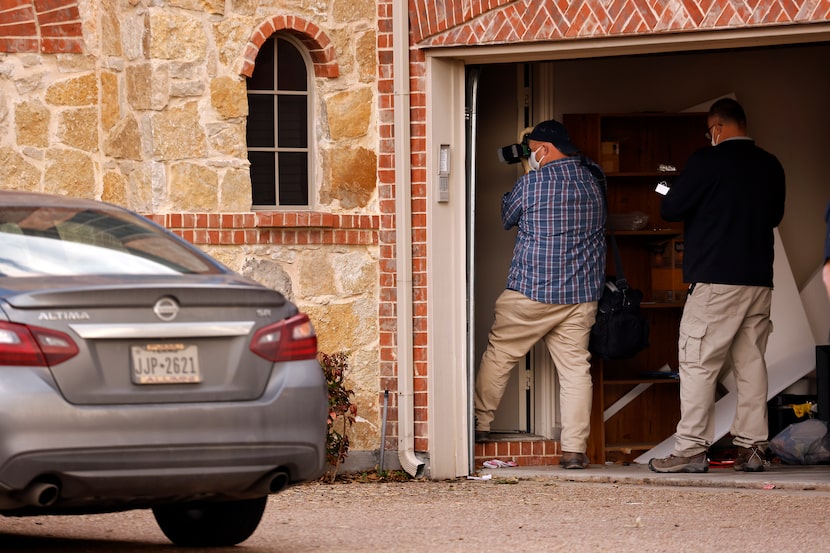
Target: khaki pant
[(521, 322), (723, 326)]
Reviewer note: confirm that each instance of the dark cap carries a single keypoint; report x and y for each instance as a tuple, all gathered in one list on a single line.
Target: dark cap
[(554, 132)]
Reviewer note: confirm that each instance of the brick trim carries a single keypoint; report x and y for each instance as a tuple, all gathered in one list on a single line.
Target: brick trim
[(523, 21), (387, 191), (428, 20), (525, 453), (45, 26), (318, 43), (275, 228)]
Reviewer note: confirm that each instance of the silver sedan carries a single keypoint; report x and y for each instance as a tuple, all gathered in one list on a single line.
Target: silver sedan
[(138, 372)]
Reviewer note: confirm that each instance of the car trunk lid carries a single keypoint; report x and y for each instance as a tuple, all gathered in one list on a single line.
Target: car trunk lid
[(153, 339)]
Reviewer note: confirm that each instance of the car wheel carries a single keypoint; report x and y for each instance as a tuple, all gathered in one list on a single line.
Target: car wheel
[(210, 524)]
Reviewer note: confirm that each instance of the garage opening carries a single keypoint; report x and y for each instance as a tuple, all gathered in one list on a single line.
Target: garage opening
[(784, 94)]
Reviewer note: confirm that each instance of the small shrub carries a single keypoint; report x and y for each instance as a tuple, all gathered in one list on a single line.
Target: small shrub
[(374, 476), (342, 412)]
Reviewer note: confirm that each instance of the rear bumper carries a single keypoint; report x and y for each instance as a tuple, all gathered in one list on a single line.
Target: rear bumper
[(91, 479), (110, 455)]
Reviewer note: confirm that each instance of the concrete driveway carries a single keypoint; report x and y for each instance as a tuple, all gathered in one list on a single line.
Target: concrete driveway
[(602, 509)]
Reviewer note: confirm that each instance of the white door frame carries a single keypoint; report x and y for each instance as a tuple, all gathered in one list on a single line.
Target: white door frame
[(447, 356)]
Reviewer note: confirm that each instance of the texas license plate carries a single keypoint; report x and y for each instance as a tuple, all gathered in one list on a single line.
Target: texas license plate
[(166, 364)]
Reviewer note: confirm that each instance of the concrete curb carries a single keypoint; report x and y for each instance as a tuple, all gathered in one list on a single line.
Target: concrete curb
[(787, 477)]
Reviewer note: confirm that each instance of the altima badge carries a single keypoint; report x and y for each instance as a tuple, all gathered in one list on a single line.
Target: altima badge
[(63, 316), (166, 309)]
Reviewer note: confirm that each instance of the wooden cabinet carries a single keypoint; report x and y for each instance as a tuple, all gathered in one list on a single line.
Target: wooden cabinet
[(635, 407)]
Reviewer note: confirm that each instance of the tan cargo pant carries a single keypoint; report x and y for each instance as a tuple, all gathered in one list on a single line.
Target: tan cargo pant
[(519, 323), (723, 325)]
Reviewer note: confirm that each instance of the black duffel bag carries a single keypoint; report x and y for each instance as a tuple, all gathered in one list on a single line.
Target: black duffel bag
[(621, 330)]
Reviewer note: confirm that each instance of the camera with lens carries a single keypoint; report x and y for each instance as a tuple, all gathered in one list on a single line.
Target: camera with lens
[(514, 153)]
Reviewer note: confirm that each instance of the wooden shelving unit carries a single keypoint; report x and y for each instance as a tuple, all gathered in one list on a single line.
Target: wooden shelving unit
[(632, 410)]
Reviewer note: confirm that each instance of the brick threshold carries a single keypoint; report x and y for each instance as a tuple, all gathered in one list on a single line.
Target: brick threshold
[(526, 450)]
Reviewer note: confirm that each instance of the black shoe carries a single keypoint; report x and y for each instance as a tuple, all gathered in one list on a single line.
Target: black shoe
[(482, 436), (571, 460)]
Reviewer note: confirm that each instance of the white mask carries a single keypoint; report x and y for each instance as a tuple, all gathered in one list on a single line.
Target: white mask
[(712, 135), (533, 162)]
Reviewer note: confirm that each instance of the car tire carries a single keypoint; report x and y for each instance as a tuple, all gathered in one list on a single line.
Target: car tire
[(207, 524)]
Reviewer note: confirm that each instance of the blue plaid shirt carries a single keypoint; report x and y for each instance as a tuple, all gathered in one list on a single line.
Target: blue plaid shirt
[(559, 255)]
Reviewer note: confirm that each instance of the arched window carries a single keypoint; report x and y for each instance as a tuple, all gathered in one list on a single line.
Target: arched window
[(279, 119)]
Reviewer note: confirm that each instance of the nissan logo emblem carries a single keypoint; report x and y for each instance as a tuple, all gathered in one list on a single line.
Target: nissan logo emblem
[(166, 309)]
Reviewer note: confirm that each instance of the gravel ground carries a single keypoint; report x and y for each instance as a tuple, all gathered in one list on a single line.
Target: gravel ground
[(500, 515), (524, 516)]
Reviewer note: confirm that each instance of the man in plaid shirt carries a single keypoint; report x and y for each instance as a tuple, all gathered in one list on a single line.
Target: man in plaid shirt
[(555, 279)]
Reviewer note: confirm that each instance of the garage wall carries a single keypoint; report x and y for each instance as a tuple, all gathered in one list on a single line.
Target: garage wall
[(782, 89)]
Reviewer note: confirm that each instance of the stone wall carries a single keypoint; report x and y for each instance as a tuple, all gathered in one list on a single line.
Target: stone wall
[(150, 113)]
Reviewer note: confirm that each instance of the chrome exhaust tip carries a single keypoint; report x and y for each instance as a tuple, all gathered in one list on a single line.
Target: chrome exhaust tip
[(273, 482), (40, 494), (279, 481)]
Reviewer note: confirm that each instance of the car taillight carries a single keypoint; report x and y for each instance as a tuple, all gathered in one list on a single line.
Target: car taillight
[(34, 346), (288, 340)]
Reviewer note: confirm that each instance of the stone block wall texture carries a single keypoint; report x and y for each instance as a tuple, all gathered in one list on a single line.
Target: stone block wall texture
[(142, 103)]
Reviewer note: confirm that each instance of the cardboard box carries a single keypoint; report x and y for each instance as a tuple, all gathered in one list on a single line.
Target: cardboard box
[(667, 272), (609, 156)]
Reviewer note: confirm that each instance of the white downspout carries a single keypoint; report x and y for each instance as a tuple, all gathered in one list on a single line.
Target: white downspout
[(403, 240)]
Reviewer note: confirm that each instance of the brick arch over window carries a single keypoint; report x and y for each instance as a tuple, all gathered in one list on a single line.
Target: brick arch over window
[(315, 40), (44, 26)]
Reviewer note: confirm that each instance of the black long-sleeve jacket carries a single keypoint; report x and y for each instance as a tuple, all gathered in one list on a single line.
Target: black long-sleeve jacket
[(730, 198)]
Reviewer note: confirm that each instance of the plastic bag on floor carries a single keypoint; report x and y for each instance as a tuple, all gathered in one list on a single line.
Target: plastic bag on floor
[(803, 443)]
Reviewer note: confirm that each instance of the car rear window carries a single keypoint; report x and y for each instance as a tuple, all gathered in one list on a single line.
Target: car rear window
[(38, 241)]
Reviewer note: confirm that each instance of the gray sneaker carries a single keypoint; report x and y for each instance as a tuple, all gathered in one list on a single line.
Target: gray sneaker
[(749, 459), (673, 463)]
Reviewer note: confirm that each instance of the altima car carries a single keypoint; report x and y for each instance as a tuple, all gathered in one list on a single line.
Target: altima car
[(138, 372)]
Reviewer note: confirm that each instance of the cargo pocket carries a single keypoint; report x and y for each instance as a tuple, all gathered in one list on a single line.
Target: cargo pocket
[(691, 339)]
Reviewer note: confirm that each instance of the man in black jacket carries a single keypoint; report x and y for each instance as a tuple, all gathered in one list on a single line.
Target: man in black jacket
[(730, 198)]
